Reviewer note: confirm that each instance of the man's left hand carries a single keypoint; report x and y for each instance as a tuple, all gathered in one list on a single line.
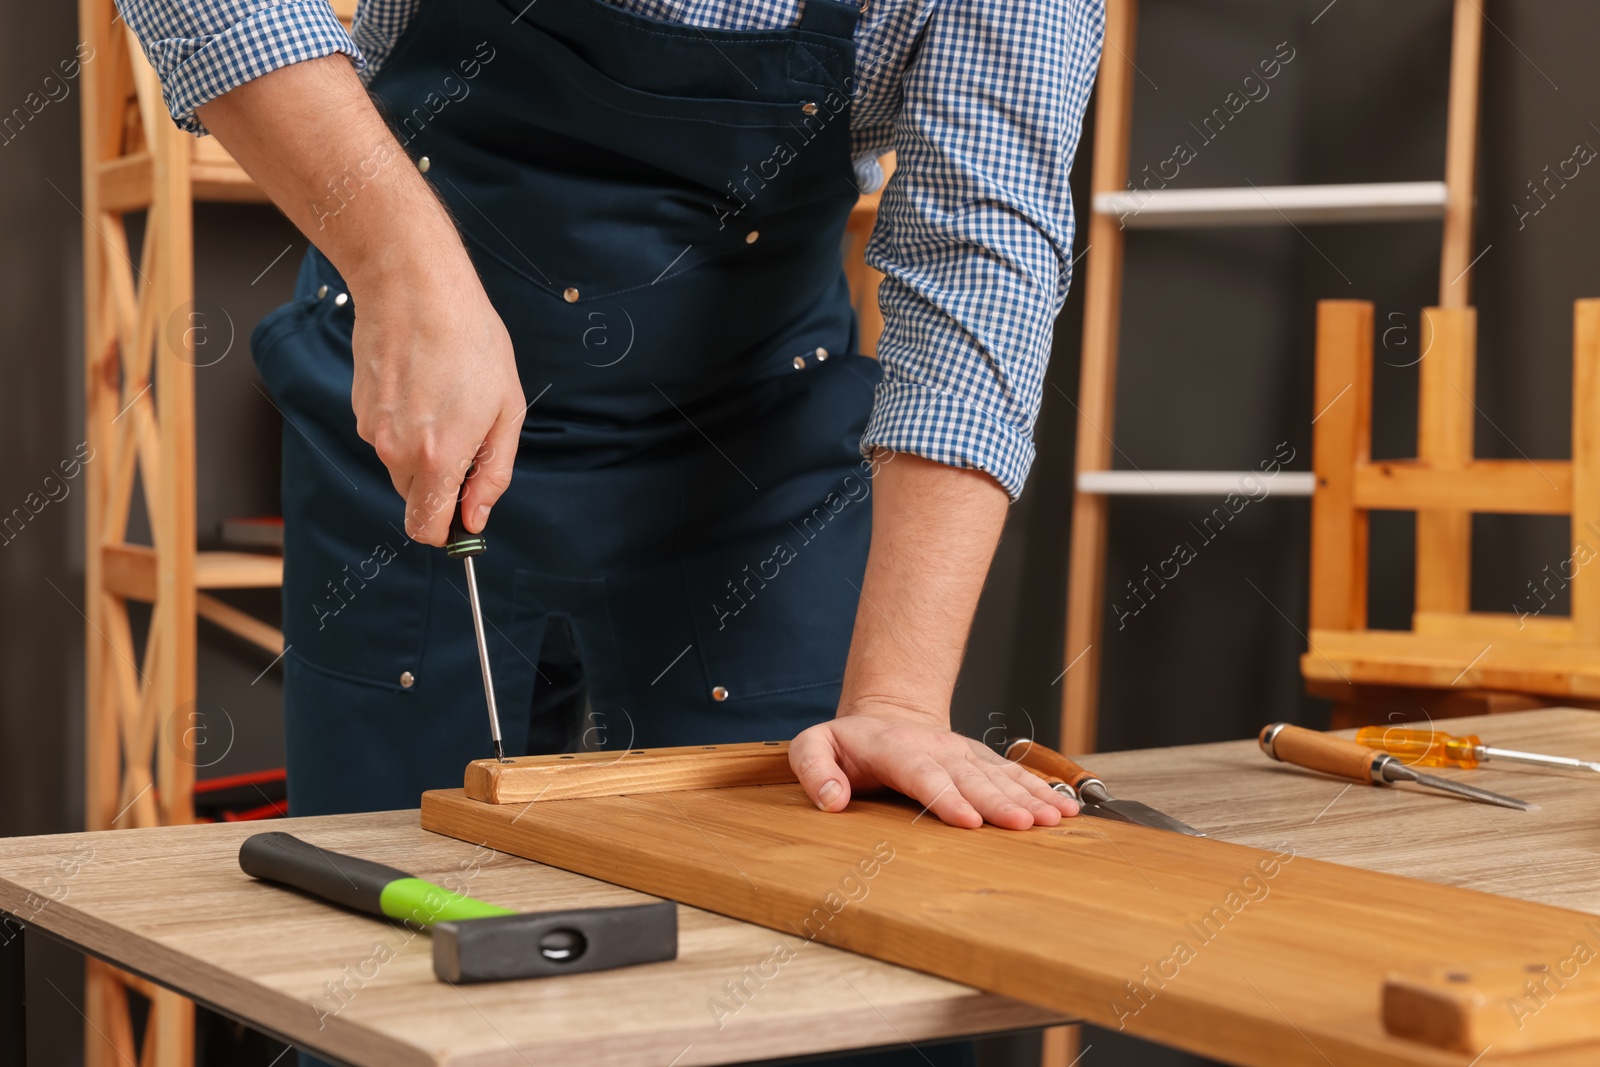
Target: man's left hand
[(962, 781)]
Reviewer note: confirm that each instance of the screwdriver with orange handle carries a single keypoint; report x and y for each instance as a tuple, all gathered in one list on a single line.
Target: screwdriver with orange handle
[(1348, 759), (1434, 748)]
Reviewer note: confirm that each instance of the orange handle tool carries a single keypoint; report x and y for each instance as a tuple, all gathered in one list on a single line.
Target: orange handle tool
[(1323, 752), (1422, 747)]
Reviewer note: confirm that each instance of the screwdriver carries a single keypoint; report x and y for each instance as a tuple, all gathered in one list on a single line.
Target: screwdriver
[(1349, 759), (1435, 748), (464, 546)]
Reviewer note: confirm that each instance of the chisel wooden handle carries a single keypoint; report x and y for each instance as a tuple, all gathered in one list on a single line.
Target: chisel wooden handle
[(1323, 752), (614, 772), (1049, 762)]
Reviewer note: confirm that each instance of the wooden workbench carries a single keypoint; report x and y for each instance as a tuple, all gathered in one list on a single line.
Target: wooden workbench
[(172, 904)]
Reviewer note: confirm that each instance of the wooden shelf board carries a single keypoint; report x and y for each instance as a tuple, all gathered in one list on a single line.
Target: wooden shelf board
[(130, 571), (1399, 657)]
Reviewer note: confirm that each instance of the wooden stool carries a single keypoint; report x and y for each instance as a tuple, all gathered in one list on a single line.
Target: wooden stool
[(1453, 659)]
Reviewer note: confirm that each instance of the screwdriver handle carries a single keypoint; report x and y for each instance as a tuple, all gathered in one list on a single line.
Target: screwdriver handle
[(1323, 752), (1047, 761), (1422, 747), (461, 543)]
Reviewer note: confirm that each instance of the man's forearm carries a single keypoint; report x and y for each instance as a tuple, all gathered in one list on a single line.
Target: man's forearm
[(311, 138), (934, 532)]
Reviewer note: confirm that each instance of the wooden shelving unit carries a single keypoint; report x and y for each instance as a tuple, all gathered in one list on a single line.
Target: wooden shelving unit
[(139, 399), (140, 423)]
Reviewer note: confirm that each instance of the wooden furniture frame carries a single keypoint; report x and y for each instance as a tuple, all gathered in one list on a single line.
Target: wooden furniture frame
[(1450, 201), (1449, 645), (140, 324)]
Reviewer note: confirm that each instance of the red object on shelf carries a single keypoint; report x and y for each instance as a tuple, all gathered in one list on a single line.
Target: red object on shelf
[(242, 797)]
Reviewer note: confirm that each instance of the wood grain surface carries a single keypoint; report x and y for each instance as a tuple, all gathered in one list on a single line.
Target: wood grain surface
[(571, 775), (1255, 957), (171, 903)]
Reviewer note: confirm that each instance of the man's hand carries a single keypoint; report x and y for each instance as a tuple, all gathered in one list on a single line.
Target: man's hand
[(960, 780), (934, 531), (436, 385), (436, 391)]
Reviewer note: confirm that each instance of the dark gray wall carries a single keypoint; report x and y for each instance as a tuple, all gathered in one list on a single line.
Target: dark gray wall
[(1216, 372)]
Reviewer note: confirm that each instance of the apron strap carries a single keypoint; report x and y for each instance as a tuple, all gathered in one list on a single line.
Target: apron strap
[(831, 17)]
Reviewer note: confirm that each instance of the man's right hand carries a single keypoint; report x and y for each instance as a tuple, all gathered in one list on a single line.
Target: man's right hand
[(436, 387), (436, 392)]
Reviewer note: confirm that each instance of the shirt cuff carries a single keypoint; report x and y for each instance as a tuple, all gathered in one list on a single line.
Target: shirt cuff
[(195, 71), (940, 426)]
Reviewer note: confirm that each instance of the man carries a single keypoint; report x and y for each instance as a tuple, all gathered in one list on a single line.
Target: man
[(588, 250)]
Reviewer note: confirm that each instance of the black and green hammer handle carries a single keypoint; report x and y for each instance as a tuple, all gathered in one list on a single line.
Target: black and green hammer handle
[(355, 883)]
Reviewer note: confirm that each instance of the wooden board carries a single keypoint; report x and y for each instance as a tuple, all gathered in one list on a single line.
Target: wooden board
[(1188, 942), (172, 904), (573, 775)]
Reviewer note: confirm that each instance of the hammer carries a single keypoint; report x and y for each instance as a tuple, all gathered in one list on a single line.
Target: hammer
[(473, 941)]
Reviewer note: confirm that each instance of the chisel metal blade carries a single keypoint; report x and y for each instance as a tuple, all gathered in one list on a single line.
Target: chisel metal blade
[(1471, 792), (1135, 812)]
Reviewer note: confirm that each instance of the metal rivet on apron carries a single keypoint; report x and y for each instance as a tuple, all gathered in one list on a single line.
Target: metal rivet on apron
[(407, 680), (341, 300), (719, 694), (752, 237), (799, 362), (822, 355), (322, 291), (423, 164), (570, 295), (809, 108)]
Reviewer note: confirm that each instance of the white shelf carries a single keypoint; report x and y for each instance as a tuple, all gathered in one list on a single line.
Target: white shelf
[(1194, 483), (1274, 205)]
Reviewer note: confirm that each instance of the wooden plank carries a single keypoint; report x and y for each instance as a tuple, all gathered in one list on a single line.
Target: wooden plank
[(1399, 657), (1097, 380), (1585, 489), (1493, 626), (362, 990), (130, 571), (1501, 486), (1468, 1010), (1461, 154), (240, 623), (124, 183), (599, 774), (1215, 948), (1341, 439), (1446, 386)]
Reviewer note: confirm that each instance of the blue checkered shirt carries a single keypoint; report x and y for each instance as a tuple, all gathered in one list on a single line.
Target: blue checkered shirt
[(981, 100)]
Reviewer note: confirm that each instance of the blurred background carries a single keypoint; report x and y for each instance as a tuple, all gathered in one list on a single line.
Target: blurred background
[(1215, 374)]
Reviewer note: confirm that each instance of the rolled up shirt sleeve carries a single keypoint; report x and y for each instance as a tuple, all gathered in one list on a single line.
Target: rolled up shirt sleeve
[(975, 229), (201, 49)]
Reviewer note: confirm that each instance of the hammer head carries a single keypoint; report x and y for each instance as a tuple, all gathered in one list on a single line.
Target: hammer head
[(539, 944)]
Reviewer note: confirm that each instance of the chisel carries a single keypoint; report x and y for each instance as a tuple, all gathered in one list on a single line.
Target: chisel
[(1088, 790), (464, 546), (1350, 759)]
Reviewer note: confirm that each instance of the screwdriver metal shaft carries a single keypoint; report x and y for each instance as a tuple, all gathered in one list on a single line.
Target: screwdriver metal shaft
[(464, 546), (483, 659)]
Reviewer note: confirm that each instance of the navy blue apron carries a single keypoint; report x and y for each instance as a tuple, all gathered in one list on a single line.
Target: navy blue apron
[(657, 212)]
